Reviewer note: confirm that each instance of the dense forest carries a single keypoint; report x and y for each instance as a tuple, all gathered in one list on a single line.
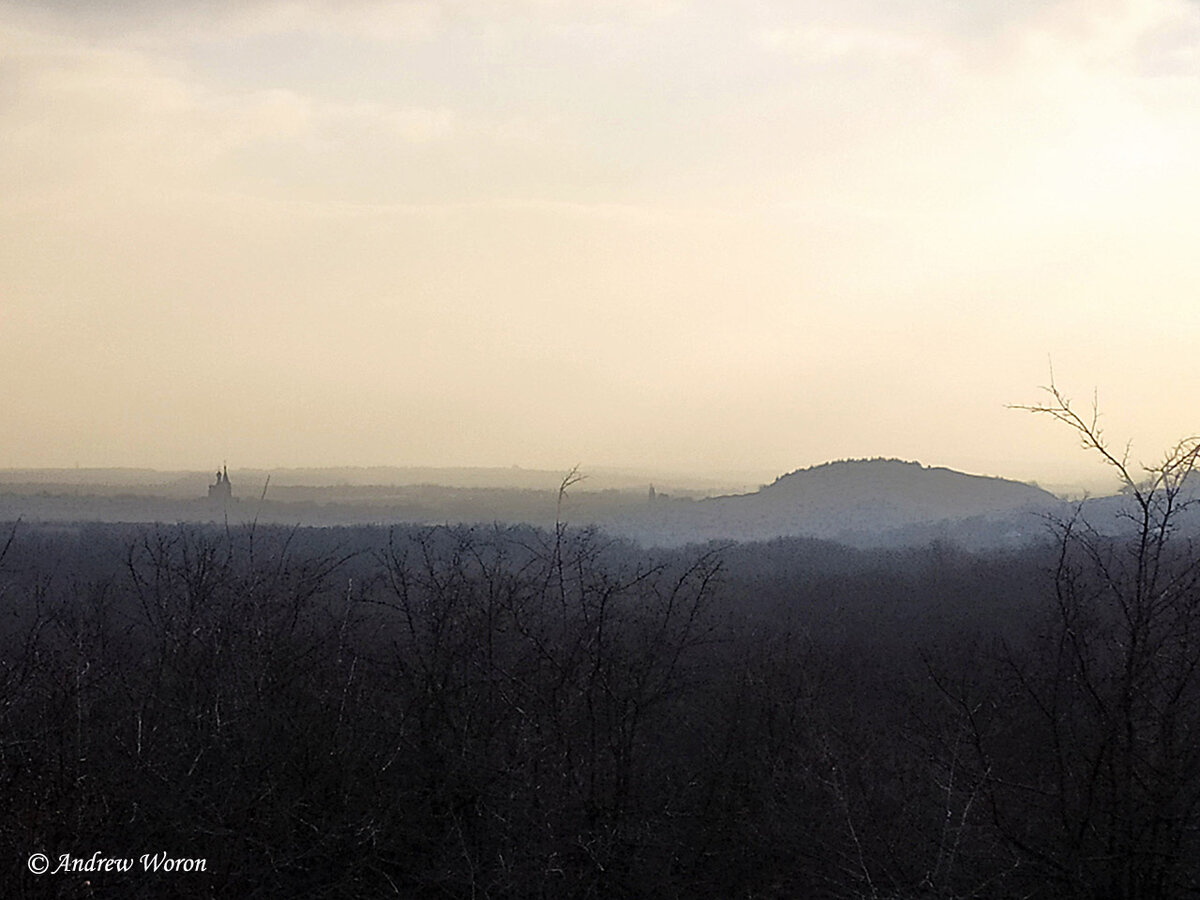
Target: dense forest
[(513, 712)]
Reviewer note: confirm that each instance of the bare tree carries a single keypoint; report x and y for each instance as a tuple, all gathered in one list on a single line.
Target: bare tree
[(1087, 741)]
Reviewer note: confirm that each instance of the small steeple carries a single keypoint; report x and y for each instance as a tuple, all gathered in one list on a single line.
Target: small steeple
[(222, 489)]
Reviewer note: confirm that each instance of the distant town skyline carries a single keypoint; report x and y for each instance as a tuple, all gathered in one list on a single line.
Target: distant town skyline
[(701, 237)]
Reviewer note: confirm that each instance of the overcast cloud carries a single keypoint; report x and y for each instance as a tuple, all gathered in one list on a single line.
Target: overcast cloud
[(699, 235)]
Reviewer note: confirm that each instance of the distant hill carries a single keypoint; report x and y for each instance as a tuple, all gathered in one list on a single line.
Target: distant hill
[(883, 493), (857, 501)]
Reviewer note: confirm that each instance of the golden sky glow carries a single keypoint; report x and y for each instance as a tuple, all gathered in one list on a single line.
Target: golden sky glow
[(700, 236)]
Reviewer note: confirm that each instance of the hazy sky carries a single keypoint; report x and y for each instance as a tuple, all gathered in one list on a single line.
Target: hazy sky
[(707, 236)]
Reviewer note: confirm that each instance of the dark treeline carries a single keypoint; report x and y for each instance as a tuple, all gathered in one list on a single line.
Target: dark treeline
[(521, 713)]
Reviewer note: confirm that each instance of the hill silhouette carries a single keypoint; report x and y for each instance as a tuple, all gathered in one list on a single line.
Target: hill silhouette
[(860, 501)]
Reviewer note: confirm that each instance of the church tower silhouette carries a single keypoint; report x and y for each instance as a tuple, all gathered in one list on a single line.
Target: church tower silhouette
[(222, 490)]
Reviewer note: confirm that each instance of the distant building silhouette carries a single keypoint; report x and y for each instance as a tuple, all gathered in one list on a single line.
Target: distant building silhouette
[(222, 490), (652, 496)]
